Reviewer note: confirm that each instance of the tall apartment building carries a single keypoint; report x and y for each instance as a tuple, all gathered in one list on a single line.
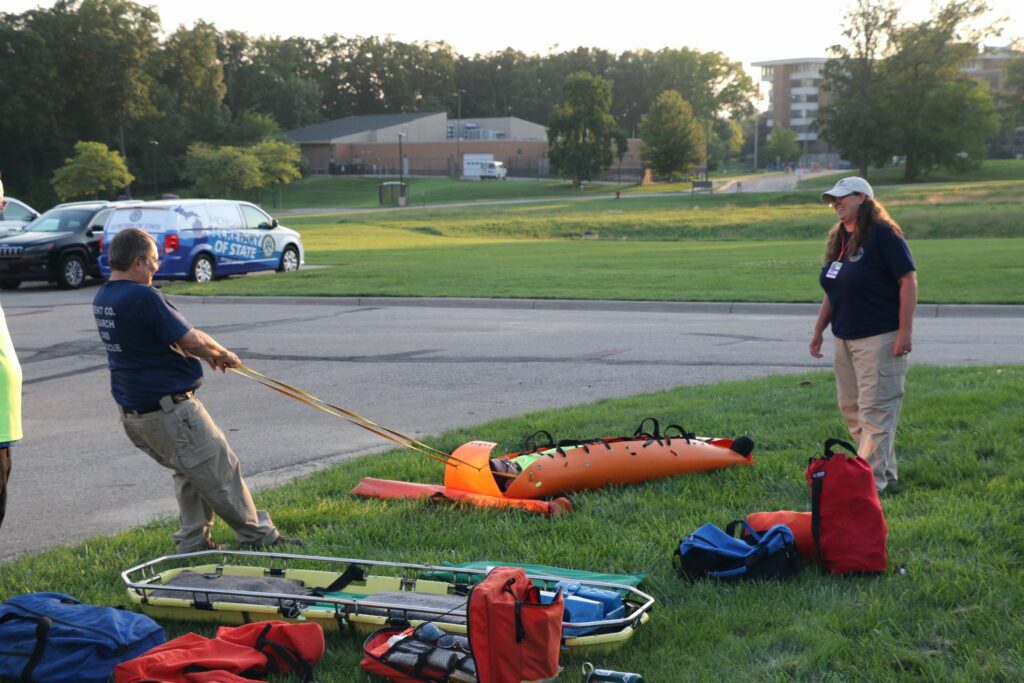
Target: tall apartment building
[(795, 93), (990, 66)]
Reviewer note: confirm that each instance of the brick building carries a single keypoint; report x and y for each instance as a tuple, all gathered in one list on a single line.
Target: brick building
[(431, 144)]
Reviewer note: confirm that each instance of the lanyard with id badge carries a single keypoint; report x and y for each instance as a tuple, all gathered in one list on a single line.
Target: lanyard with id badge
[(836, 266)]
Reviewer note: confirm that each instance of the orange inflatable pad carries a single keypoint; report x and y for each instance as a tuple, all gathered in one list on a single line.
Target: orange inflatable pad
[(388, 490), (798, 522)]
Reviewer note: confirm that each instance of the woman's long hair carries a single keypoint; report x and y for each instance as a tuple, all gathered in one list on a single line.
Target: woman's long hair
[(870, 214)]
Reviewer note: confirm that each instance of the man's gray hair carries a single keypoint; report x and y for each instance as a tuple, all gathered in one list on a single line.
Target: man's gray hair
[(128, 244)]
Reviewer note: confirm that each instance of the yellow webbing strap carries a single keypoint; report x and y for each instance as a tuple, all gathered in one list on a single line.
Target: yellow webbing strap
[(347, 415)]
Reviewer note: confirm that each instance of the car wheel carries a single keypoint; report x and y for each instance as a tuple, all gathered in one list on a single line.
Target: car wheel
[(10, 284), (202, 269), (289, 260), (72, 272)]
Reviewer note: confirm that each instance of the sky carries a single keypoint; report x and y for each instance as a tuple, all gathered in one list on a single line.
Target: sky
[(744, 30)]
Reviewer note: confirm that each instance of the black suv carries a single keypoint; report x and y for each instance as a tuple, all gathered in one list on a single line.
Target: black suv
[(60, 246)]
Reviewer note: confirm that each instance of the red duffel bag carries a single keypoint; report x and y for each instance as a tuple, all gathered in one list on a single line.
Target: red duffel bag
[(513, 634), (847, 521), (798, 522)]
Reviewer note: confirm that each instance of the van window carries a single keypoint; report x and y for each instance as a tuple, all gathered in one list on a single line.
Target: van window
[(224, 217), (192, 217), (254, 218), (15, 212), (100, 219), (61, 220)]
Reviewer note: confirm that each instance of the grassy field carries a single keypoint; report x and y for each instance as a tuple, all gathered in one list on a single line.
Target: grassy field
[(362, 192), (742, 247), (783, 271), (954, 525), (993, 169)]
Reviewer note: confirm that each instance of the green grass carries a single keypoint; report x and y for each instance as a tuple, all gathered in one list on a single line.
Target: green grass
[(362, 192), (992, 169), (783, 271), (954, 524), (725, 247), (745, 247)]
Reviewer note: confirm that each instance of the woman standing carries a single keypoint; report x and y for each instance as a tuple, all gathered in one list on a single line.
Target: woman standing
[(870, 288)]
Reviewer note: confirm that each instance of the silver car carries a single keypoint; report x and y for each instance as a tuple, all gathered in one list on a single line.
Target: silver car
[(15, 216)]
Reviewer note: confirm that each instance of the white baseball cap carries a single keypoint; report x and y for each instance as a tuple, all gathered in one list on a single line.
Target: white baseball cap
[(848, 186)]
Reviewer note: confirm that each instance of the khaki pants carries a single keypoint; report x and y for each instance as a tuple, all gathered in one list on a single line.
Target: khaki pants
[(869, 388), (207, 477)]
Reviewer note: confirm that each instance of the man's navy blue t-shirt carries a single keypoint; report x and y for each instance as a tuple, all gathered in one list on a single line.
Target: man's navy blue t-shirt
[(138, 325), (865, 294)]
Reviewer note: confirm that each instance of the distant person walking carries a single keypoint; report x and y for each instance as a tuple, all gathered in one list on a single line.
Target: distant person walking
[(151, 352), (870, 285)]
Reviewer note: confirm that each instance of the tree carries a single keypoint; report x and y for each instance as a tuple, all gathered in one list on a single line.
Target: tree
[(73, 71), (899, 91), (673, 140), (855, 120), (249, 127), (782, 146), (104, 57), (93, 169), (222, 171), (194, 78), (943, 118), (726, 142), (1010, 103), (581, 130), (279, 163)]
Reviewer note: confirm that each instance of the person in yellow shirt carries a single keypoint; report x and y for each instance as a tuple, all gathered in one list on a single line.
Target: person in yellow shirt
[(10, 398)]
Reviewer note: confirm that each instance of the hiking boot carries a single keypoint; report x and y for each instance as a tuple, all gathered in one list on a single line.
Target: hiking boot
[(277, 542), (209, 545)]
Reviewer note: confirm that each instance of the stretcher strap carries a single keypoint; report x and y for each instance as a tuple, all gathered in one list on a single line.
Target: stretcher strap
[(349, 416)]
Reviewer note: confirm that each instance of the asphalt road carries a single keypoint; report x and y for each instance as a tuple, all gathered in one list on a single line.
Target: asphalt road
[(421, 369)]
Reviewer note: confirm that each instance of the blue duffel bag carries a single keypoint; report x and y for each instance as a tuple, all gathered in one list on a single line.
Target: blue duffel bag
[(710, 552), (53, 638)]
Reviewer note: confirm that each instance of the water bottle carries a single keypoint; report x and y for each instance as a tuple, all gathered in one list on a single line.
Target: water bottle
[(592, 675)]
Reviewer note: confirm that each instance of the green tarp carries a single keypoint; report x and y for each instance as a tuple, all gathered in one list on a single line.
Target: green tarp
[(455, 577)]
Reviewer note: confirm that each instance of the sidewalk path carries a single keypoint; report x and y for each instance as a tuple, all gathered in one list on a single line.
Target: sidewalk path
[(769, 182)]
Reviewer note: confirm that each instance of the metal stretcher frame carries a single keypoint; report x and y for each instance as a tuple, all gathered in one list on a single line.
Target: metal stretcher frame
[(144, 579)]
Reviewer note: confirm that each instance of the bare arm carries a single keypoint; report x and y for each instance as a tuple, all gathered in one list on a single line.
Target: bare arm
[(908, 304), (197, 343), (824, 317)]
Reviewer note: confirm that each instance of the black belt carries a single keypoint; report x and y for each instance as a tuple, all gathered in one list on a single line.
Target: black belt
[(177, 398)]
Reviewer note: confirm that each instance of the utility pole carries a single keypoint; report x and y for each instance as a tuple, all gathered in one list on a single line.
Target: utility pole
[(401, 172), (458, 136), (156, 168), (757, 120)]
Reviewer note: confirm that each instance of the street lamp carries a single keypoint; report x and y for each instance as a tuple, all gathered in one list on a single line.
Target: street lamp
[(401, 170), (458, 135), (156, 167)]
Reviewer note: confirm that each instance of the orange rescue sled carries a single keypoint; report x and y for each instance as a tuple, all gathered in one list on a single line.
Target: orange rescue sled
[(474, 476)]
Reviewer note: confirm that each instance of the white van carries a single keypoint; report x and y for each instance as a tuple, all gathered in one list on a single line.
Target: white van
[(203, 239)]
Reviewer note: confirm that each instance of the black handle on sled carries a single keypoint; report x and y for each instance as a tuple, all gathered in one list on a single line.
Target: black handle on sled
[(640, 430), (682, 432), (529, 443)]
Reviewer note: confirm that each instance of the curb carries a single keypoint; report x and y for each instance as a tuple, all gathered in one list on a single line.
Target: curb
[(713, 307)]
